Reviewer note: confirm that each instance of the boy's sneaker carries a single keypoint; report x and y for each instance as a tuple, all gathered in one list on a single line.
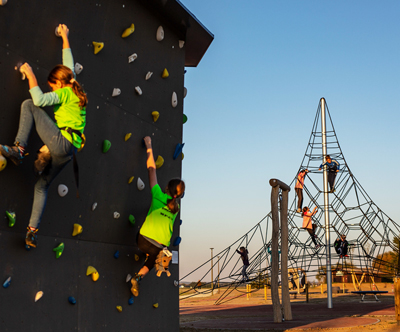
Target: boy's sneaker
[(135, 285), (31, 237), (317, 246), (12, 153)]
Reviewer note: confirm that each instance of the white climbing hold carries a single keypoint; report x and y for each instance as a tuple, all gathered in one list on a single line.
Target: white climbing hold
[(116, 215), (160, 33), (174, 99), (128, 278), (138, 90), (78, 68), (94, 206), (3, 2), (38, 296), (140, 184), (184, 92), (116, 92), (62, 190), (181, 43), (148, 75), (176, 282), (132, 57)]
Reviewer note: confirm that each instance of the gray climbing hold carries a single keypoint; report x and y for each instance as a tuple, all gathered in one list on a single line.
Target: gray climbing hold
[(6, 283)]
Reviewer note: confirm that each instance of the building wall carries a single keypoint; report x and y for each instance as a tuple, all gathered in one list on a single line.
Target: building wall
[(27, 35)]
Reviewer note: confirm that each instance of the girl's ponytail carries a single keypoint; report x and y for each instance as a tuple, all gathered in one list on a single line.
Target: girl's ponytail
[(175, 188), (76, 87)]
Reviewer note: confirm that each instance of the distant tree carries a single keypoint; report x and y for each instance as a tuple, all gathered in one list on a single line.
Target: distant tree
[(321, 275)]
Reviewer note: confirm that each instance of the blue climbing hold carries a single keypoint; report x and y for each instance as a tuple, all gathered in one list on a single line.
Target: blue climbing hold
[(71, 300), (28, 248), (116, 255), (178, 150), (7, 282), (130, 301), (180, 223), (177, 241)]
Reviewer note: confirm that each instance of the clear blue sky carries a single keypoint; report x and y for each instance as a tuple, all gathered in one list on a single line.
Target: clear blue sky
[(252, 100)]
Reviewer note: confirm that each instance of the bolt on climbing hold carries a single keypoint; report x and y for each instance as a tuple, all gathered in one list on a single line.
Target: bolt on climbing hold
[(159, 162), (178, 150), (132, 57), (3, 162), (116, 215), (78, 68), (177, 241), (6, 283), (59, 250), (128, 136), (181, 43), (174, 99), (72, 300), (138, 90), (184, 92), (119, 308), (128, 31), (131, 179), (116, 92), (62, 190), (132, 219), (137, 257), (185, 118), (57, 32), (128, 278), (94, 206), (97, 47), (148, 75), (160, 33), (18, 68), (130, 301), (165, 73), (176, 283), (78, 229), (155, 305), (155, 115), (11, 218), (116, 254), (3, 2), (140, 184), (106, 145), (38, 296)]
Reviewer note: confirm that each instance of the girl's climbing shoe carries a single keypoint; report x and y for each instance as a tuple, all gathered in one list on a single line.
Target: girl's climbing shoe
[(135, 284), (13, 153), (31, 238)]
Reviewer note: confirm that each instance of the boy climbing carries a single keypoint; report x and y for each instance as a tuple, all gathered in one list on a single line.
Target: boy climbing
[(299, 188), (333, 167), (61, 138), (155, 234), (244, 255), (308, 225), (341, 246)]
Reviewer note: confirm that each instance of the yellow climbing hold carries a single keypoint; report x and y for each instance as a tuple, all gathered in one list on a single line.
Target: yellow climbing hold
[(136, 257), (97, 47), (90, 270), (155, 305), (95, 276), (131, 179), (183, 156), (128, 136), (165, 73), (119, 308), (38, 296), (3, 162), (128, 31), (155, 115), (159, 162), (78, 229)]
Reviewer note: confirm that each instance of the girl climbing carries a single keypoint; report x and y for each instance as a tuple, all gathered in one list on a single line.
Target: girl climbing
[(308, 225), (244, 255), (156, 231), (341, 246), (299, 188), (333, 167), (61, 138)]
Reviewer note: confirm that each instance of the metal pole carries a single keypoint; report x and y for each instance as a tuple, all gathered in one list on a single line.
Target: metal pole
[(326, 209), (218, 274), (212, 272)]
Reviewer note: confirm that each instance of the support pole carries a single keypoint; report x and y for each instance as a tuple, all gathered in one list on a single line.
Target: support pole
[(326, 209), (397, 298), (212, 272)]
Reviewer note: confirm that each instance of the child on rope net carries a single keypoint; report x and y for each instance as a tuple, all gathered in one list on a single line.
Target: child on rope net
[(61, 138), (299, 188), (156, 231), (308, 225), (291, 280), (333, 167), (244, 255), (341, 246)]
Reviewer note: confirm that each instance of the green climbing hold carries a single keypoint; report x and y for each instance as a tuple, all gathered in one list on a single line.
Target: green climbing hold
[(11, 218), (185, 118), (59, 250), (132, 219), (106, 145)]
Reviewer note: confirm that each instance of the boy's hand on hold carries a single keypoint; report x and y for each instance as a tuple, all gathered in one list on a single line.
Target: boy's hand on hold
[(147, 142)]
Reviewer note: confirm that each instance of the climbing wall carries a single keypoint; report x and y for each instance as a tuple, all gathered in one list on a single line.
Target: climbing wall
[(27, 34)]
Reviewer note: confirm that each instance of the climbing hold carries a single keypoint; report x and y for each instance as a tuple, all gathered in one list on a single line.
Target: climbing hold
[(18, 68), (165, 73), (184, 92), (159, 162), (128, 136), (7, 282), (155, 305), (97, 47), (3, 2), (138, 90), (78, 68), (90, 270), (27, 248), (3, 162), (140, 184), (116, 215), (178, 150), (116, 254), (155, 115), (148, 75), (160, 33), (71, 300), (11, 218), (181, 43), (176, 283), (59, 250), (185, 118), (128, 278), (130, 301), (180, 222), (94, 206), (131, 179), (62, 190), (106, 145), (38, 296), (128, 31), (177, 241), (183, 155), (132, 57), (95, 276), (116, 92), (174, 99), (137, 257), (78, 229), (119, 308), (132, 219)]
